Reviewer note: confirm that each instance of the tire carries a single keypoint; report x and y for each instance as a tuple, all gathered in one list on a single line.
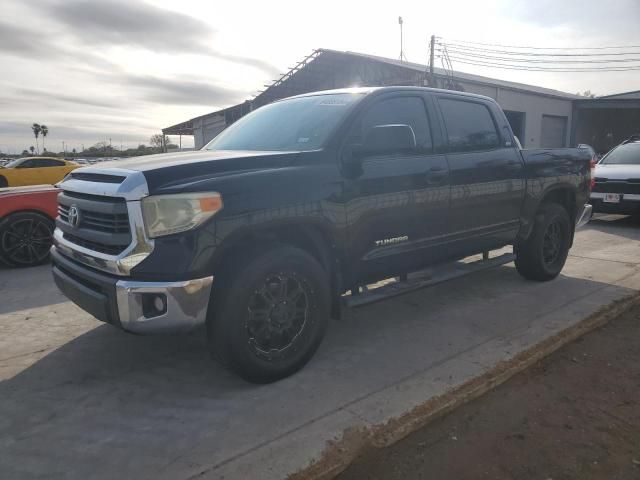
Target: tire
[(256, 330), (25, 239), (542, 256), (3, 182)]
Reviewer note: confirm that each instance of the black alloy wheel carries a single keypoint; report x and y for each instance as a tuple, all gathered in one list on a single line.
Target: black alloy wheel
[(552, 243), (277, 314), (543, 254), (268, 312), (25, 239)]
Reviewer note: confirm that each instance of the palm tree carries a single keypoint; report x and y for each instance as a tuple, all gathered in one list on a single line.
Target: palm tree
[(32, 148), (44, 130), (36, 131)]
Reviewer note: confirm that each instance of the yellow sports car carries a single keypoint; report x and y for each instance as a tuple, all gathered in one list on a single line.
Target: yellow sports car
[(35, 171)]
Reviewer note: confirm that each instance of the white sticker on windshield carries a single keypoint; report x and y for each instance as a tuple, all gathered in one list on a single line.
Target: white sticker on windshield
[(303, 139), (332, 101)]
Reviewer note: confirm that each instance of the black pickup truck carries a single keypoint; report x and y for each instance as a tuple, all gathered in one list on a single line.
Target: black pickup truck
[(259, 234)]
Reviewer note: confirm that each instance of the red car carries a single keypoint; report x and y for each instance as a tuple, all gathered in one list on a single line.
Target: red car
[(26, 224)]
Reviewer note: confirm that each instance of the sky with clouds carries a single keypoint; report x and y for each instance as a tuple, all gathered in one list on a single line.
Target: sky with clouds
[(98, 69)]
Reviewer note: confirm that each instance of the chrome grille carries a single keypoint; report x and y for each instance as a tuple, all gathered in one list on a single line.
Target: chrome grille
[(105, 222), (102, 222), (96, 247)]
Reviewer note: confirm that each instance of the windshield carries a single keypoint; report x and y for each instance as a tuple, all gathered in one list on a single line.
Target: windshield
[(297, 124), (14, 163), (628, 154)]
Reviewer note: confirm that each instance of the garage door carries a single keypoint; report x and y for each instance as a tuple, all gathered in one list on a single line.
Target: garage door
[(554, 132)]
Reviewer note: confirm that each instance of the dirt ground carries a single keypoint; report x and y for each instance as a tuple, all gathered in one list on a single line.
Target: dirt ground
[(574, 415)]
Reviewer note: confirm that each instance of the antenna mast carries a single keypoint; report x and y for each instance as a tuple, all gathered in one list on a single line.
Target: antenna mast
[(403, 58)]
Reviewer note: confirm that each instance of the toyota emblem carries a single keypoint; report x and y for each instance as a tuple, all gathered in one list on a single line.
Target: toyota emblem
[(74, 216)]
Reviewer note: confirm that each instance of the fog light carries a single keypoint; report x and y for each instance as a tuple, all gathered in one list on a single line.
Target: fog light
[(154, 304)]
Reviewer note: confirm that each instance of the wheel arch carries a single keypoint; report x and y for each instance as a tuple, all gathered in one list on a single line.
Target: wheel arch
[(563, 194), (28, 210), (312, 237)]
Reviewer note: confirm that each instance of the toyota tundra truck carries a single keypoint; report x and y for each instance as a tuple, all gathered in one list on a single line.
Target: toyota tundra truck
[(260, 235)]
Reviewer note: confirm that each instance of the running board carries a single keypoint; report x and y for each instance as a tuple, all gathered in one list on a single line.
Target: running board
[(424, 278)]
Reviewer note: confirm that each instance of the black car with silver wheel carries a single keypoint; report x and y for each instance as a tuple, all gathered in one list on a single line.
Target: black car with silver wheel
[(617, 180), (258, 236)]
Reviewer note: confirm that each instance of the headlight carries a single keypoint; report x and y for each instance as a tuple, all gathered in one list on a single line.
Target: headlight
[(168, 214)]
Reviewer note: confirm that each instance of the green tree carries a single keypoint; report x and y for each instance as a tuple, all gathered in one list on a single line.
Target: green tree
[(36, 129), (44, 130), (32, 149)]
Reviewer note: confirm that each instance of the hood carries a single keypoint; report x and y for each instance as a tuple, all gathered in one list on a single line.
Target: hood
[(618, 171), (164, 160), (172, 172)]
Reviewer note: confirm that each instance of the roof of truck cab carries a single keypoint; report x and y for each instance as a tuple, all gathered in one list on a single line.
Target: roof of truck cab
[(369, 90)]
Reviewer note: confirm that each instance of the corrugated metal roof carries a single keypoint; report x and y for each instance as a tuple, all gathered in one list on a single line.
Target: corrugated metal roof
[(463, 76), (468, 77), (630, 95)]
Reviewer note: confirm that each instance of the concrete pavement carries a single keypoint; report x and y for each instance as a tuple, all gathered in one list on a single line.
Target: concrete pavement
[(79, 399)]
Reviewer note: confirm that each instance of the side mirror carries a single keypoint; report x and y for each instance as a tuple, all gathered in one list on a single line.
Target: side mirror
[(382, 139)]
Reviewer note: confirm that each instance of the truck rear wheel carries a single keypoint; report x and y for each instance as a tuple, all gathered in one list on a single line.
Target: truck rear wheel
[(269, 315), (3, 182), (542, 256)]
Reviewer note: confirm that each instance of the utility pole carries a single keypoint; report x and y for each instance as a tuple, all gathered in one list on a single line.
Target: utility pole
[(432, 51)]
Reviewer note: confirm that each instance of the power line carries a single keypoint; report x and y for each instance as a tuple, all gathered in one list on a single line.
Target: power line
[(453, 46), (507, 66), (542, 48), (537, 60)]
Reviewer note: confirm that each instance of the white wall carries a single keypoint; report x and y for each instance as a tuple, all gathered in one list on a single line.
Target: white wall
[(535, 106)]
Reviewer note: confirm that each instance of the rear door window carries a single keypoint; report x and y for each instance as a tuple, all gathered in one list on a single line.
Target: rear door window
[(470, 126)]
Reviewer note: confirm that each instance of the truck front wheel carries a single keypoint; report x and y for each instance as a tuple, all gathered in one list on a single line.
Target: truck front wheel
[(542, 256), (269, 314)]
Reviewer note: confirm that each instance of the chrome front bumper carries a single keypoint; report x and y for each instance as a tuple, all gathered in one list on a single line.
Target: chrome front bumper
[(129, 304), (186, 305), (584, 218)]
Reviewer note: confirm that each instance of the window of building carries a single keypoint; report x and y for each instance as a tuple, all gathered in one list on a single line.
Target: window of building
[(517, 122)]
